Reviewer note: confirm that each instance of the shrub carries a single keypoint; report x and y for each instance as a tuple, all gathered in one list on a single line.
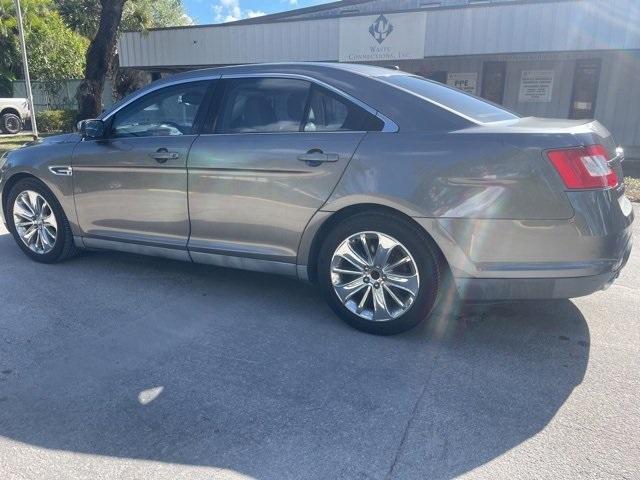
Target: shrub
[(56, 120)]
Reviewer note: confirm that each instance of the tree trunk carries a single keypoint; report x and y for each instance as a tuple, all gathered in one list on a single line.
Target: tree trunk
[(99, 60), (127, 80)]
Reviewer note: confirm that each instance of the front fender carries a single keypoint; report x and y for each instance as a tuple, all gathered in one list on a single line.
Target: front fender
[(35, 160)]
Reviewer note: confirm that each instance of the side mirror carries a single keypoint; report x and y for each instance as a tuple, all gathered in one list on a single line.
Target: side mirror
[(91, 129)]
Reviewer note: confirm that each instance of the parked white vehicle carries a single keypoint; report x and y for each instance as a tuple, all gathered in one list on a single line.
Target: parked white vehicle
[(14, 112)]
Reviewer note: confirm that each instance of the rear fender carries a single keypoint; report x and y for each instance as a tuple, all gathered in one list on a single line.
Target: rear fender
[(453, 175)]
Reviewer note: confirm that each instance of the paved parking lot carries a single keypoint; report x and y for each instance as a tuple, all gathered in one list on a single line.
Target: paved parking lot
[(122, 367)]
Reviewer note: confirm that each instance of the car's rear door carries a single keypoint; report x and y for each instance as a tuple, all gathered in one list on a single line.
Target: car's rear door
[(131, 187), (276, 150)]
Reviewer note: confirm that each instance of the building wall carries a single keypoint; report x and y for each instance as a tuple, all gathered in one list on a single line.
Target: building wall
[(373, 6), (559, 105), (528, 35), (560, 26), (202, 46), (618, 104), (563, 25)]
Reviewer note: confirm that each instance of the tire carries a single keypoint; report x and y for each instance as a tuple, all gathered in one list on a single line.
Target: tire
[(62, 247), (421, 261), (10, 123)]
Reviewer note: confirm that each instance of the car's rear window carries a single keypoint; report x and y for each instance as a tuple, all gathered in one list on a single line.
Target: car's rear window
[(472, 107)]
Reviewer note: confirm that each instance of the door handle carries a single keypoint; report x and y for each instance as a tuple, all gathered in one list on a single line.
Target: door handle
[(162, 155), (316, 156)]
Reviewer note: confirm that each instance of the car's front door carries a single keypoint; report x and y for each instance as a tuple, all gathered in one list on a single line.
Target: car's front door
[(276, 152), (132, 186)]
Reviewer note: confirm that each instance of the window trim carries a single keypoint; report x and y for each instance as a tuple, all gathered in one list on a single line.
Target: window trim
[(389, 125), (209, 91), (218, 104), (307, 108), (161, 84)]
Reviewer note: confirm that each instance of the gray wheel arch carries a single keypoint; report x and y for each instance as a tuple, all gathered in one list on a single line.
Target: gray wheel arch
[(324, 221), (8, 185), (17, 176)]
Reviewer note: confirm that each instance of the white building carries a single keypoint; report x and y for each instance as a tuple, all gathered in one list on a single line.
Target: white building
[(554, 58)]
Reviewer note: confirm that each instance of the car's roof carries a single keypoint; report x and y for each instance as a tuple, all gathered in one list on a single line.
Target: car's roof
[(370, 85), (297, 67), (321, 70)]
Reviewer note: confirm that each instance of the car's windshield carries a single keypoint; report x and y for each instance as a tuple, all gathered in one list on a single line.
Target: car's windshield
[(473, 107)]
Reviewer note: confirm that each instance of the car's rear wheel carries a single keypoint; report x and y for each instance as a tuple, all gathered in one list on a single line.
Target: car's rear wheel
[(38, 223), (379, 273), (10, 123)]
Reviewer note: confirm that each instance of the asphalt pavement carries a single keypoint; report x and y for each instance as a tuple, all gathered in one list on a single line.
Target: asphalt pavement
[(115, 366)]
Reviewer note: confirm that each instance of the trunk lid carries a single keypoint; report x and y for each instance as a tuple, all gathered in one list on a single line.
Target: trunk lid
[(561, 133)]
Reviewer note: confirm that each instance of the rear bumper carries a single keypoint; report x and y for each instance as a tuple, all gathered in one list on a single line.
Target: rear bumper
[(493, 259), (480, 289)]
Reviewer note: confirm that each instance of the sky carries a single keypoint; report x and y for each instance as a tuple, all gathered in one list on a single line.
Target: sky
[(217, 11)]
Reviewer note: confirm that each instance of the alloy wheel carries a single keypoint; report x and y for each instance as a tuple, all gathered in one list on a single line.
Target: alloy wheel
[(35, 222), (12, 124), (374, 276)]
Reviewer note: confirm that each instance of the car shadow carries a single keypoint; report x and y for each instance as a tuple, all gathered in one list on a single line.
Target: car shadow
[(140, 358)]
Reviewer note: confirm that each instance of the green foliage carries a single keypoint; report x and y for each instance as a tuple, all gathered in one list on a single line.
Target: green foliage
[(56, 120), (55, 51), (145, 14), (83, 16), (57, 33)]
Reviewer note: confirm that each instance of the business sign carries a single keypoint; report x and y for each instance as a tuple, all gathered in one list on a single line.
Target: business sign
[(398, 36), (536, 86), (467, 82)]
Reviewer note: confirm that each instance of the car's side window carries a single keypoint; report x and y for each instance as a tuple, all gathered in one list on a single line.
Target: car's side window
[(329, 112), (165, 112), (263, 105)]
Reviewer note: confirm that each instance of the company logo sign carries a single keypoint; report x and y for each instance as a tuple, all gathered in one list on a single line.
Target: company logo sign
[(382, 37), (381, 29)]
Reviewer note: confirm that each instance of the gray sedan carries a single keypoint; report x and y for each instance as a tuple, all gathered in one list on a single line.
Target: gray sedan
[(389, 191)]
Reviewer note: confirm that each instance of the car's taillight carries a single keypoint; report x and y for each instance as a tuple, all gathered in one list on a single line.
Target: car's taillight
[(584, 167)]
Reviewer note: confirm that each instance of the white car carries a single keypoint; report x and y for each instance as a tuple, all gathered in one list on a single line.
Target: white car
[(14, 112)]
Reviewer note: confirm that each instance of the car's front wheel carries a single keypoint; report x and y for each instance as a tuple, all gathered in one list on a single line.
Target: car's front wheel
[(379, 273), (38, 223), (10, 123)]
